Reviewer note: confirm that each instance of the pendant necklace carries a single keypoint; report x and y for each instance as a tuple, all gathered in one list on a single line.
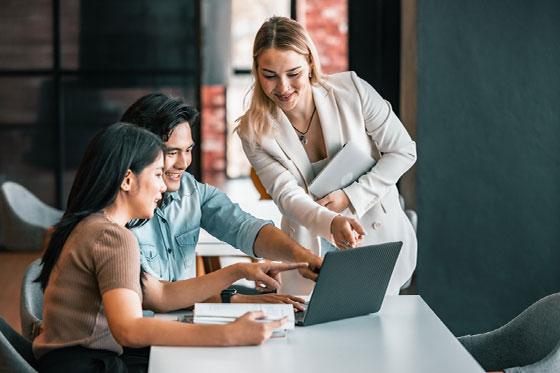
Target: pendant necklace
[(302, 135)]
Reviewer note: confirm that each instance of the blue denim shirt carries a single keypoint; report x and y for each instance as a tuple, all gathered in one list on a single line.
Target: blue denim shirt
[(168, 240)]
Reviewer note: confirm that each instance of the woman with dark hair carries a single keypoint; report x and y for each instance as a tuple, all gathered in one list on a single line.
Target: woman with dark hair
[(91, 268)]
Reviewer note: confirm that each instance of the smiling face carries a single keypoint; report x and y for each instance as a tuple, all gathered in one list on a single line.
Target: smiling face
[(178, 156), (148, 189), (284, 78)]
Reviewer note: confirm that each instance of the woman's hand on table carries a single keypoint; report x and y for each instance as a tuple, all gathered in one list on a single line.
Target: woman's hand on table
[(248, 330)]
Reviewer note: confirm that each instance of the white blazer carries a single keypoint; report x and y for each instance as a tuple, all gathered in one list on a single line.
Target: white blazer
[(349, 109)]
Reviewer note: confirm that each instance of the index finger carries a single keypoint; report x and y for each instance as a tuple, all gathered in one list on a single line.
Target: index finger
[(281, 267)]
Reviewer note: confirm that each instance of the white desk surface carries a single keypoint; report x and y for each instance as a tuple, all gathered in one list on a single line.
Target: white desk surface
[(405, 336), (208, 245)]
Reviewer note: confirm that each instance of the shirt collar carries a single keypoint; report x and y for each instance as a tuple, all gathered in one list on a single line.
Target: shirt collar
[(168, 197)]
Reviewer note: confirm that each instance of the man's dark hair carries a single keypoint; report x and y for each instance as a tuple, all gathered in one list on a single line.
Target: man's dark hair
[(160, 114)]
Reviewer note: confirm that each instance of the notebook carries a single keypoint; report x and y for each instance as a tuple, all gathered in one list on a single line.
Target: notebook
[(351, 283), (343, 169), (223, 313)]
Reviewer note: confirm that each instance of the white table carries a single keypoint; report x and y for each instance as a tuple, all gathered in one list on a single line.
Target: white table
[(405, 336), (208, 245)]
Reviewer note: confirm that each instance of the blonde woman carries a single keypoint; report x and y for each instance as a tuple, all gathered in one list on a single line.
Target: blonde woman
[(297, 119)]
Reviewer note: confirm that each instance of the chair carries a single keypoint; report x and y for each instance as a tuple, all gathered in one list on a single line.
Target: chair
[(15, 351), (410, 214), (531, 338), (259, 185), (31, 302), (551, 363), (25, 219), (409, 288)]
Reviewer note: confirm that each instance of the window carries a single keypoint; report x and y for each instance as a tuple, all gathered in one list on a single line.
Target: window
[(247, 17), (69, 68)]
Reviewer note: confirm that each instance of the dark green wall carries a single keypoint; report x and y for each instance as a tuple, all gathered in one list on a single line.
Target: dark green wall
[(488, 171)]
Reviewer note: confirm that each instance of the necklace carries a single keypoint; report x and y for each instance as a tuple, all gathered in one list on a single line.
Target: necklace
[(302, 135)]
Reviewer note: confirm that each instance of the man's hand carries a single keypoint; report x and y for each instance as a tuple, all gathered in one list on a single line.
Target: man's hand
[(314, 263), (336, 201), (270, 298), (273, 244)]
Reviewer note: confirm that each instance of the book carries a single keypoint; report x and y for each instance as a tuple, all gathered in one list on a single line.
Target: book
[(223, 313)]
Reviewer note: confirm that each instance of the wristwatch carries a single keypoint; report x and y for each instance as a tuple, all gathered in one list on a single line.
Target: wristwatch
[(226, 294)]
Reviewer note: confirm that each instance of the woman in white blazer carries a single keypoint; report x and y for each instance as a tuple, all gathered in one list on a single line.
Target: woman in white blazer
[(297, 119)]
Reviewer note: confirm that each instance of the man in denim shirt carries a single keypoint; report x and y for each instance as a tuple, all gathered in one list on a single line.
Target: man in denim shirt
[(168, 240)]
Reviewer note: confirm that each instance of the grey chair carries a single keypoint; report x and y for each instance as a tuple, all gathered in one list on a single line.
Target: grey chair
[(24, 218), (550, 364), (531, 338), (31, 301), (15, 351), (409, 288), (410, 214)]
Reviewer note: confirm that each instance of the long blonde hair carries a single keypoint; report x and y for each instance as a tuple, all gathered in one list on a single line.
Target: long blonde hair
[(280, 33)]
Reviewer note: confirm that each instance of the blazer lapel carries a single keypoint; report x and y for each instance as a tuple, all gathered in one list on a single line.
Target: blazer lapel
[(327, 109)]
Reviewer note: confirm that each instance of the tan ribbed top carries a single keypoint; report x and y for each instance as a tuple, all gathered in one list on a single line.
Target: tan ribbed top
[(98, 256)]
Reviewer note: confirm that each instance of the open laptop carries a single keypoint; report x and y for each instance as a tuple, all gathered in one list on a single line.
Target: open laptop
[(343, 169), (351, 283)]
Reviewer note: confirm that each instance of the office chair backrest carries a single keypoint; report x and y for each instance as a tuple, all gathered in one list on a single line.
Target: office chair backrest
[(25, 218), (259, 185), (15, 351), (410, 214), (31, 301)]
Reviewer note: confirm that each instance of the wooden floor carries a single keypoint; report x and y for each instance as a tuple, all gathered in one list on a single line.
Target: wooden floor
[(12, 268)]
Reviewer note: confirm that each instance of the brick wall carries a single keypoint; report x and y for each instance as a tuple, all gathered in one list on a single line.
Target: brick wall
[(327, 23), (213, 122)]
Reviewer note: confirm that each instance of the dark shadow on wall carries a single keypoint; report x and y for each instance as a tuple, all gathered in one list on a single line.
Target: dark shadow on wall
[(374, 41)]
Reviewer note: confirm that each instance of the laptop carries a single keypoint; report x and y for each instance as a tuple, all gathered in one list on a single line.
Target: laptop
[(343, 169), (351, 283)]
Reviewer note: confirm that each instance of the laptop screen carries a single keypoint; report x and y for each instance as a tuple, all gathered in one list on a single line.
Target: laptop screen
[(352, 282)]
